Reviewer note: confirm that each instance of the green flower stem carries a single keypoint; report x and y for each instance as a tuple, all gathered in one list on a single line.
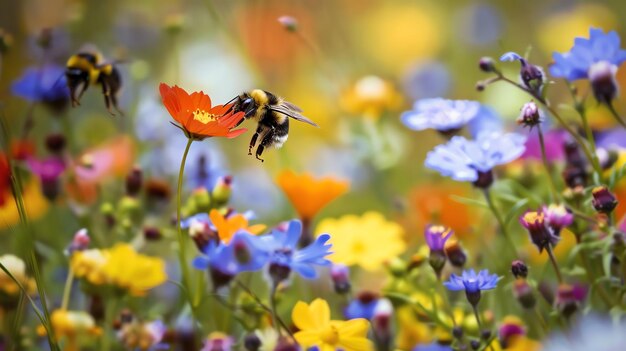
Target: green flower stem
[(604, 295), (67, 289), (501, 223), (273, 307), (109, 316), (542, 321), (616, 115), (182, 255), (554, 263), (265, 307), (477, 316), (554, 192)]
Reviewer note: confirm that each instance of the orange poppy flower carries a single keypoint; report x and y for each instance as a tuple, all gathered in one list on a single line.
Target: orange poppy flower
[(196, 117), (227, 227), (309, 195)]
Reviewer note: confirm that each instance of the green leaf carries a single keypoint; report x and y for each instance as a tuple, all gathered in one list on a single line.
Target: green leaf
[(576, 271), (514, 210), (469, 201)]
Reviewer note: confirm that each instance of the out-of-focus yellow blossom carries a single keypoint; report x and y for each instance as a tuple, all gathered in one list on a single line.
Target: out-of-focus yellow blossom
[(411, 330), (367, 241), (137, 273), (396, 49), (309, 195), (17, 267), (370, 96), (557, 33), (35, 203), (141, 336), (69, 325), (88, 264), (317, 329), (522, 343)]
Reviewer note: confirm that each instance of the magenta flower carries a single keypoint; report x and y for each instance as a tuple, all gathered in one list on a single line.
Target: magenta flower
[(436, 236), (557, 217)]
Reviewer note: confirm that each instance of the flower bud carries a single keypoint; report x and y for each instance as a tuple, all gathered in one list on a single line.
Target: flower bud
[(218, 342), (523, 292), (603, 200), (129, 208), (532, 76), (219, 278), (340, 275), (487, 64), (381, 321), (480, 86), (157, 190), (529, 116), (252, 342), (418, 258), (279, 272), (557, 217), (152, 233), (519, 269), (607, 158), (457, 332), (289, 23), (108, 212), (485, 334), (286, 344), (456, 254), (200, 201), (80, 241), (202, 233), (55, 143), (569, 298), (437, 260), (603, 81), (511, 327), (475, 344), (134, 182), (485, 179), (222, 191), (540, 234)]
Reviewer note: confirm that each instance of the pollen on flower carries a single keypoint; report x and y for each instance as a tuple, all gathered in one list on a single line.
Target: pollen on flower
[(203, 116)]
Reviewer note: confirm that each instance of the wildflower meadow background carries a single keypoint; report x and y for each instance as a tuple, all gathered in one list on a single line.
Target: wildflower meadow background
[(465, 189)]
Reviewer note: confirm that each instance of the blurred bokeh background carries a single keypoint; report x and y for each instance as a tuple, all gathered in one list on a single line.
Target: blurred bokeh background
[(352, 65)]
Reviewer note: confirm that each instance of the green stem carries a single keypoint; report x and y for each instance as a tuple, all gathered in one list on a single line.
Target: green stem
[(477, 316), (604, 295), (182, 256), (542, 321), (554, 192), (68, 289), (616, 115), (501, 223), (273, 307), (109, 316), (265, 307), (554, 263)]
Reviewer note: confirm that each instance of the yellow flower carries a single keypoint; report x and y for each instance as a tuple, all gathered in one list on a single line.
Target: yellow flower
[(371, 96), (16, 266), (367, 241), (317, 329), (70, 325), (35, 203), (411, 330), (309, 195), (132, 271), (227, 227), (88, 264)]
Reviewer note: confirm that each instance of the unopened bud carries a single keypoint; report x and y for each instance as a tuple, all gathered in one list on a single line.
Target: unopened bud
[(487, 64), (222, 191), (523, 292), (381, 321), (340, 275), (569, 298), (252, 342), (603, 200), (529, 117), (603, 81), (200, 200), (152, 233), (289, 23), (532, 76), (519, 269), (475, 344), (456, 254), (134, 182), (55, 143), (485, 179)]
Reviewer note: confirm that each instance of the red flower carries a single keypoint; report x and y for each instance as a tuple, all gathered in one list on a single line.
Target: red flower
[(196, 117)]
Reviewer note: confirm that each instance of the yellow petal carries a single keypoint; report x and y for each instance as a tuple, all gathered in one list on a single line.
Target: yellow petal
[(301, 316), (320, 313), (356, 344), (354, 327), (307, 338)]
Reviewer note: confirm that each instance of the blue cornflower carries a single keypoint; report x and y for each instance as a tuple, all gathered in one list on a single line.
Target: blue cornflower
[(244, 253), (596, 58), (362, 307), (432, 347), (285, 257), (487, 120), (46, 84), (472, 160), (446, 116), (472, 283)]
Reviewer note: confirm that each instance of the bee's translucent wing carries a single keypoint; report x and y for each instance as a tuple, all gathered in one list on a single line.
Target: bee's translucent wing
[(293, 114), (291, 106)]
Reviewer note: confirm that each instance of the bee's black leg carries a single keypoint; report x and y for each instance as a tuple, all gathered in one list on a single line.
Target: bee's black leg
[(113, 98), (259, 130), (267, 140), (107, 97)]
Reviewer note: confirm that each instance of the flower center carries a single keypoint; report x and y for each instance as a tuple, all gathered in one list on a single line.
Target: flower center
[(330, 335), (203, 116)]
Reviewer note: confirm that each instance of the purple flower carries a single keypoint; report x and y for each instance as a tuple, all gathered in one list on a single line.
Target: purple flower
[(281, 246), (578, 62), (540, 233), (530, 75), (468, 160), (472, 283), (557, 217), (554, 141), (49, 171), (487, 120), (46, 84), (440, 114), (436, 236)]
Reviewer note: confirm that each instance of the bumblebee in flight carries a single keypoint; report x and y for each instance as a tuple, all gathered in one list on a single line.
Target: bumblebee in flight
[(86, 68), (272, 115)]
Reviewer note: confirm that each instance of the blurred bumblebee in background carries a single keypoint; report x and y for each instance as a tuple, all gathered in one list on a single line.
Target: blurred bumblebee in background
[(87, 67), (272, 115)]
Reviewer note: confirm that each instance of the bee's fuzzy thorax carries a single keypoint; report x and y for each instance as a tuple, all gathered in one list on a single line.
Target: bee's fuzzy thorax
[(259, 96)]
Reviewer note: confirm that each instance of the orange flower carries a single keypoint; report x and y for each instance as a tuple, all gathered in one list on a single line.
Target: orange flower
[(309, 195), (196, 117), (227, 227)]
